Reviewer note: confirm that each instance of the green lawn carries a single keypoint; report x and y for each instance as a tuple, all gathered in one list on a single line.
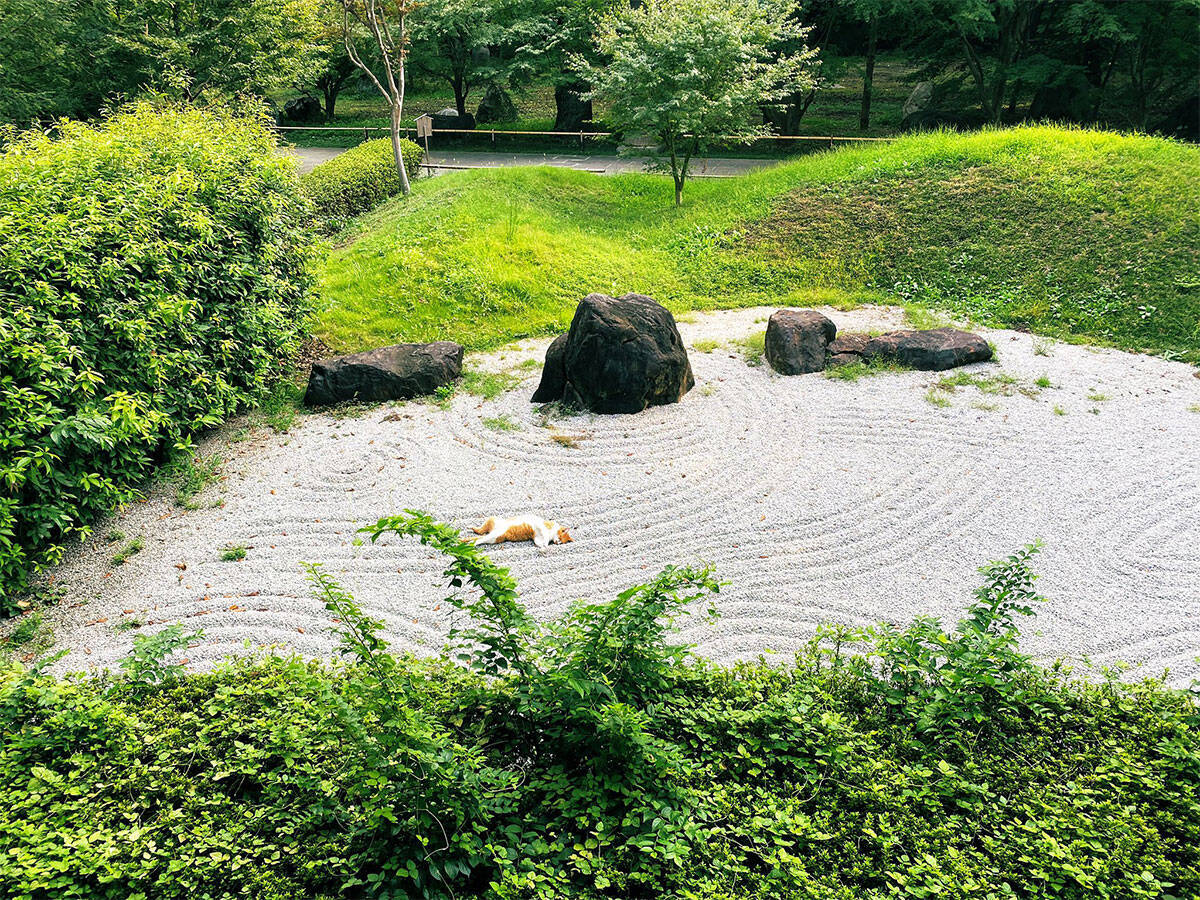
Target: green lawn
[(1076, 234)]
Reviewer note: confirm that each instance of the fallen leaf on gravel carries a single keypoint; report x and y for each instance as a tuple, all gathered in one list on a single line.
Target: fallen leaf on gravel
[(181, 566)]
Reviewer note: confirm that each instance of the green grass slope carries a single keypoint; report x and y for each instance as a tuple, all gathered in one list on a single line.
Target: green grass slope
[(1076, 234)]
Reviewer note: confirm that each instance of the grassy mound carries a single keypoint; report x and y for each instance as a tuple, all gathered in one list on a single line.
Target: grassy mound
[(1077, 234), (593, 758)]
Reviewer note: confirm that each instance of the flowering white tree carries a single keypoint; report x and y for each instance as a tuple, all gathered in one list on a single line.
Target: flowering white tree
[(686, 72)]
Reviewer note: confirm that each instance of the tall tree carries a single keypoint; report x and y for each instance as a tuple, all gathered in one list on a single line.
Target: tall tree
[(332, 67), (453, 41), (687, 72), (549, 37), (386, 24), (228, 46)]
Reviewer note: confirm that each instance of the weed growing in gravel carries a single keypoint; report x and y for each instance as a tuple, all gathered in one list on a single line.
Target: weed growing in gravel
[(935, 397), (856, 370), (31, 637), (233, 553), (1043, 382), (192, 474), (708, 389), (129, 623), (1059, 411), (122, 555), (114, 535), (567, 440), (529, 364), (488, 385), (554, 411), (1097, 396), (1042, 346), (923, 318), (1001, 383), (1195, 407), (752, 347), (705, 345), (985, 406), (501, 423), (280, 405)]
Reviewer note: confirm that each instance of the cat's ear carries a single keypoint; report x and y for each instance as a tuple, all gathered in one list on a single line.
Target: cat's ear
[(564, 536)]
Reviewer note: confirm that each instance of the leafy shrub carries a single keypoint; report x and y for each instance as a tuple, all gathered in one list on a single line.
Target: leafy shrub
[(594, 757), (153, 274), (359, 179)]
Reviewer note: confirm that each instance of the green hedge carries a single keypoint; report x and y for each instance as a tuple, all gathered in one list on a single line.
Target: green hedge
[(592, 758), (359, 179), (153, 274)]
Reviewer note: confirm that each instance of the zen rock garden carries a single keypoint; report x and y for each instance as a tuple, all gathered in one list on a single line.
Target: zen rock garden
[(624, 354)]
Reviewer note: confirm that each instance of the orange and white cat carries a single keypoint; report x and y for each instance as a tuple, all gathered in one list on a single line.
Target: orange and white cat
[(527, 528)]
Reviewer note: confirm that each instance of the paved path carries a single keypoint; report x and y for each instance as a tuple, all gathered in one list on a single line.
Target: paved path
[(818, 499), (310, 157)]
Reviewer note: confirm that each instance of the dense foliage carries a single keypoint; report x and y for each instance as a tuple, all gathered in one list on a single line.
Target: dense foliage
[(153, 273), (1111, 62), (74, 57), (593, 757), (359, 179), (1077, 234)]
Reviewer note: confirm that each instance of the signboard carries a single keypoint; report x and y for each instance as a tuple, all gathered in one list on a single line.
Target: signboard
[(424, 125)]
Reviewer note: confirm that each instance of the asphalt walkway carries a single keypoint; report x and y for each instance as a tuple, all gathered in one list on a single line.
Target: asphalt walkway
[(440, 163)]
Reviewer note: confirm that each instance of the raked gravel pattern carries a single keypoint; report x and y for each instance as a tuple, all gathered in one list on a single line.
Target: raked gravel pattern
[(818, 500)]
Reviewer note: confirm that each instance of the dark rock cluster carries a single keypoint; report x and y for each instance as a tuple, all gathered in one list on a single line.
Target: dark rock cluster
[(803, 340)]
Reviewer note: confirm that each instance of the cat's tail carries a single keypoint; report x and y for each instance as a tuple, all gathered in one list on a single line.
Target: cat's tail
[(485, 527)]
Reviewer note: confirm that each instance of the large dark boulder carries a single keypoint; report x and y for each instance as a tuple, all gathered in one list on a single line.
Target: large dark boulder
[(389, 373), (933, 350), (620, 356), (496, 106), (303, 109), (554, 372), (797, 341)]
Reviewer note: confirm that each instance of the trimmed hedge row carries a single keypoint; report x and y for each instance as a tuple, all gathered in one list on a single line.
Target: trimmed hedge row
[(359, 179), (154, 271)]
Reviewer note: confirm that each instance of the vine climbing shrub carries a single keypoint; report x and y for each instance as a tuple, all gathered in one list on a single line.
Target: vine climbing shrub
[(153, 274)]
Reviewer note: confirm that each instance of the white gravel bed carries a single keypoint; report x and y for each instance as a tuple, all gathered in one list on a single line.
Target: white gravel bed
[(817, 499)]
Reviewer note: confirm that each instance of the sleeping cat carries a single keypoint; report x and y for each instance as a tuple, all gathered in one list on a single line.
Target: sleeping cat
[(526, 528)]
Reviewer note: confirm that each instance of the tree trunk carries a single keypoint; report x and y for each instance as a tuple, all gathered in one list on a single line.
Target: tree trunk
[(460, 95), (405, 188), (571, 111), (331, 95), (864, 114)]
